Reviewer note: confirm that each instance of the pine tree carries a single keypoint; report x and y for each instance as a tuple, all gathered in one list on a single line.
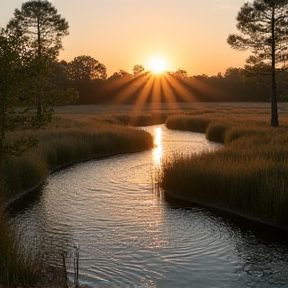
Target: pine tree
[(263, 29), (39, 23)]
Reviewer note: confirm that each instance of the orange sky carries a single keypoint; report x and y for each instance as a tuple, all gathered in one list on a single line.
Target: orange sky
[(188, 34)]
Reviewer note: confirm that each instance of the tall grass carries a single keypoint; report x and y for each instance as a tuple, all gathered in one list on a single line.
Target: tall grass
[(69, 139), (249, 175), (187, 123), (16, 269), (143, 119)]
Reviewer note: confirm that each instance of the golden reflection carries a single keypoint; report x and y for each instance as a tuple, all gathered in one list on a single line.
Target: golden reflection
[(157, 153)]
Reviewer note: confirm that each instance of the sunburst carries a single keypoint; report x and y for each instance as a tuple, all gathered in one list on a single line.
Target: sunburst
[(157, 65)]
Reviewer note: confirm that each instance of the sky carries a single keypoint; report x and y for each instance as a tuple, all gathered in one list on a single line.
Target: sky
[(185, 34)]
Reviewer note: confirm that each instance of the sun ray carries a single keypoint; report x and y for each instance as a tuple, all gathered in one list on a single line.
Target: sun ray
[(144, 94), (202, 88), (128, 89), (180, 88), (156, 89), (168, 94)]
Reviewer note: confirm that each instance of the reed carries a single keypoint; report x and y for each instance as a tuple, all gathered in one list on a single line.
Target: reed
[(249, 175), (16, 269), (69, 139), (244, 175), (187, 123), (143, 119)]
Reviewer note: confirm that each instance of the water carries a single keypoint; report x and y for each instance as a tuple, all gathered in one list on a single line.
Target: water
[(131, 235)]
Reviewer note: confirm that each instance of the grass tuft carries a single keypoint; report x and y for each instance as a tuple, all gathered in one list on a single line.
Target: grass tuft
[(16, 268), (248, 175)]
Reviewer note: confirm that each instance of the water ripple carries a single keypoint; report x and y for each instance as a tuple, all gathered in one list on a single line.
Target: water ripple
[(129, 235)]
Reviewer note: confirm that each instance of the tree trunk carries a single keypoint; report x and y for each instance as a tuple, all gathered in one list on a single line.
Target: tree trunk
[(39, 102), (274, 109)]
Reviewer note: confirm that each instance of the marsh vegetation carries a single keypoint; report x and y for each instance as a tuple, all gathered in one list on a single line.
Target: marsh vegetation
[(66, 140), (248, 176)]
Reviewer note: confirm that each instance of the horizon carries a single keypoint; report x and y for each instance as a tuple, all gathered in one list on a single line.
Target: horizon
[(181, 34)]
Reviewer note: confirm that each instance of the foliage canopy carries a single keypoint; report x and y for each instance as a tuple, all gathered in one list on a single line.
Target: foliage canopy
[(263, 29)]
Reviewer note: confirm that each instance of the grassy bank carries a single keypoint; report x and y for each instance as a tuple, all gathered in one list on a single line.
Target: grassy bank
[(68, 139), (16, 269), (249, 175)]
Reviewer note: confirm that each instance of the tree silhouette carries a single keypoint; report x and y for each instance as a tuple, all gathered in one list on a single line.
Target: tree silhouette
[(263, 27), (138, 69), (12, 78), (85, 69), (181, 73), (43, 28)]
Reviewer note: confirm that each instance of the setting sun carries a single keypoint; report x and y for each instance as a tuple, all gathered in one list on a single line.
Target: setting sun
[(157, 65)]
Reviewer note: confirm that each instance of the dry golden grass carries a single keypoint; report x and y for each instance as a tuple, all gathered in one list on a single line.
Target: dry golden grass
[(249, 175), (69, 139)]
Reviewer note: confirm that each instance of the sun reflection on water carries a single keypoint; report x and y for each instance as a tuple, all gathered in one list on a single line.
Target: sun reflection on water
[(157, 153)]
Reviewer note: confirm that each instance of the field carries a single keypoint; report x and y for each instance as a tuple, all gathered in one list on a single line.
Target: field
[(248, 175)]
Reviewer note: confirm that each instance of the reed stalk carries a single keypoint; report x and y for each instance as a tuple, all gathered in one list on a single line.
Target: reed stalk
[(248, 175)]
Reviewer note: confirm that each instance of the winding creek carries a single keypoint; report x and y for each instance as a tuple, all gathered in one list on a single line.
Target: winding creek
[(131, 235)]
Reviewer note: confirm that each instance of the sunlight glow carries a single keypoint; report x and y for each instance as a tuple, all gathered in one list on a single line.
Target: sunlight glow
[(157, 65), (157, 153)]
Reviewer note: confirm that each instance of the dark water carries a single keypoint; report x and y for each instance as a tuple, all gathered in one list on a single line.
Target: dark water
[(131, 235)]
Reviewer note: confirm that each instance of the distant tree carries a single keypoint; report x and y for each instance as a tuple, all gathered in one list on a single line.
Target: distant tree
[(138, 69), (60, 74), (85, 69), (43, 28), (101, 71), (233, 74), (258, 73), (115, 75), (219, 76), (181, 73), (258, 76), (263, 27), (119, 74), (124, 73)]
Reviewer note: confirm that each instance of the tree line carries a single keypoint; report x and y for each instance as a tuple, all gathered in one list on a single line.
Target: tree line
[(89, 78)]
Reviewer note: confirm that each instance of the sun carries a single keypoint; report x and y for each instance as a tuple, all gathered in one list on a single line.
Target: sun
[(157, 65)]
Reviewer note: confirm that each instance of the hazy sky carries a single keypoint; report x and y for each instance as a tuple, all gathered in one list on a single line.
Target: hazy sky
[(188, 34)]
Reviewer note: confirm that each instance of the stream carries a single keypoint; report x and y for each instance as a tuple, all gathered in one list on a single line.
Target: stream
[(131, 235)]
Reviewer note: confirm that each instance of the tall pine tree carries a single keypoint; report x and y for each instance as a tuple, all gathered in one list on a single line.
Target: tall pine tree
[(39, 23), (263, 29)]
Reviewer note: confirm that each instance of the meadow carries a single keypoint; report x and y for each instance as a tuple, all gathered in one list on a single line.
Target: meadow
[(248, 176)]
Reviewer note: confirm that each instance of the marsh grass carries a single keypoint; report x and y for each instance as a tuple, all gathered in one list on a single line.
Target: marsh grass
[(187, 123), (143, 119), (249, 175), (16, 268), (248, 171), (69, 139)]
